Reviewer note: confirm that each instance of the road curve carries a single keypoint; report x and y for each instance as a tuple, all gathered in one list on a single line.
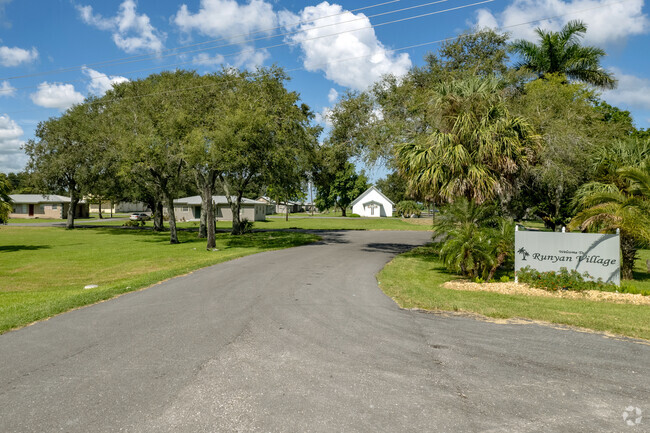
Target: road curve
[(302, 340)]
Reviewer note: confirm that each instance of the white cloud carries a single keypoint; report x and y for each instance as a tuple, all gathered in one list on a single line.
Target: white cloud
[(353, 59), (206, 59), (101, 83), (332, 95), (227, 19), (632, 92), (7, 89), (61, 96), (606, 25), (15, 56), (324, 117), (251, 59), (12, 157), (131, 32)]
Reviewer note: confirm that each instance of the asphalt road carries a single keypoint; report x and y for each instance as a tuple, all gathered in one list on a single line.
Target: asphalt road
[(302, 340)]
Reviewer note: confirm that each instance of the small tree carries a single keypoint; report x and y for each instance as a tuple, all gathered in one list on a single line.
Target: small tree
[(5, 200)]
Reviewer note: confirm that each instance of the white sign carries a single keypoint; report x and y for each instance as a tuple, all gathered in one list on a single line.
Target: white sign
[(596, 254)]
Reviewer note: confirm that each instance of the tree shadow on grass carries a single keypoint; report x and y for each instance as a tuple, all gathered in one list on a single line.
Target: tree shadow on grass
[(267, 240), (14, 248)]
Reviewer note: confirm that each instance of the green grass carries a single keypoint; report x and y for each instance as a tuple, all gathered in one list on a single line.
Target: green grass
[(43, 269), (414, 280), (309, 223), (44, 220)]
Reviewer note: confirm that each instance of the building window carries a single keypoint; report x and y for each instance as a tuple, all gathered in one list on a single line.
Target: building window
[(54, 207), (185, 209)]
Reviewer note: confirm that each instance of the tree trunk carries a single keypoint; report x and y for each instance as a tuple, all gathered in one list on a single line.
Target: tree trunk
[(628, 253), (203, 231), (173, 236), (235, 206), (111, 208), (100, 209), (286, 211), (208, 211), (158, 224), (343, 209), (71, 210)]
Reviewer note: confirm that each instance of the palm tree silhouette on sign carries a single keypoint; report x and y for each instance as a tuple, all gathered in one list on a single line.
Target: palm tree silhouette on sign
[(524, 253)]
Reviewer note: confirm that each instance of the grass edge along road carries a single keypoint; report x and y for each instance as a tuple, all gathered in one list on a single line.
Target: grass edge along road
[(43, 270), (413, 280)]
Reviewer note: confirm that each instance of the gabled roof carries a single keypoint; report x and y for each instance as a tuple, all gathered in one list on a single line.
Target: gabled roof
[(217, 199), (39, 198), (366, 192)]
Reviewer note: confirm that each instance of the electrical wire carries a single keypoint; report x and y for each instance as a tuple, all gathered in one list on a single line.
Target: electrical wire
[(252, 50), (418, 45)]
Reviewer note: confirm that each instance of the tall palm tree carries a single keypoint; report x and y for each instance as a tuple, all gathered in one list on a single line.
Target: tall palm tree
[(561, 53), (474, 147), (606, 207)]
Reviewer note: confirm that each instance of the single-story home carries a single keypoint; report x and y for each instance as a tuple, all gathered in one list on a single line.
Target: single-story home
[(189, 209), (119, 207), (281, 208), (45, 206), (372, 203)]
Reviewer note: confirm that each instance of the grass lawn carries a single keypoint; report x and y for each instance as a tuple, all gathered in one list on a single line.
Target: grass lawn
[(414, 280), (45, 220), (43, 270), (309, 223)]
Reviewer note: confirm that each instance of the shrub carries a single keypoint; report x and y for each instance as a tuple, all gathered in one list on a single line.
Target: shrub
[(131, 223), (408, 208), (354, 215), (246, 226), (562, 280)]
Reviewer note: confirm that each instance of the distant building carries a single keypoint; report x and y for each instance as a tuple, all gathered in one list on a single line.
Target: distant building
[(119, 207), (372, 203), (189, 209), (45, 206)]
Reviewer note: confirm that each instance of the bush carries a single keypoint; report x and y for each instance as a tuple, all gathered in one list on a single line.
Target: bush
[(246, 226), (131, 223), (354, 215), (408, 208), (562, 280)]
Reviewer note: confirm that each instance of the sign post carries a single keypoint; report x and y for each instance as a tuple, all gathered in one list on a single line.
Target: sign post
[(596, 254)]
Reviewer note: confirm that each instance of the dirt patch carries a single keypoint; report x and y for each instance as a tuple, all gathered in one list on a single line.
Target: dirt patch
[(524, 289), (419, 221)]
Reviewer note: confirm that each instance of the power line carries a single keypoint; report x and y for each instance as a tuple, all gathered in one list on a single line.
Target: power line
[(149, 56), (142, 58), (252, 50), (418, 45)]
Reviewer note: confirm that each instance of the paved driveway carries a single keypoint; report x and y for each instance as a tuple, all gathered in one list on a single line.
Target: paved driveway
[(302, 340)]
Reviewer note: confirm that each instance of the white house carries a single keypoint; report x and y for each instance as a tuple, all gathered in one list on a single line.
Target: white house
[(372, 203), (189, 209)]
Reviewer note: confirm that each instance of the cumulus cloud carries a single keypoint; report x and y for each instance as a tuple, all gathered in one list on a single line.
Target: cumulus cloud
[(131, 32), (354, 59), (608, 24), (227, 19), (12, 157), (332, 95), (632, 92), (15, 56), (101, 83), (61, 96), (324, 117), (7, 89)]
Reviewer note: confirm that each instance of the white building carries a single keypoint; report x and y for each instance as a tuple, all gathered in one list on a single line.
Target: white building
[(372, 203)]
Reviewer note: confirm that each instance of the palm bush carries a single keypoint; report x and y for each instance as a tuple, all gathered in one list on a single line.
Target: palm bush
[(472, 240), (607, 207)]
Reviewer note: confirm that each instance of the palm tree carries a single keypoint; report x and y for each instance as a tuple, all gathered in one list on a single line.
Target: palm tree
[(474, 147), (606, 207), (561, 53)]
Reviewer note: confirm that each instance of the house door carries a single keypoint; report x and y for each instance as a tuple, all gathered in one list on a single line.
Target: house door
[(197, 212), (31, 210)]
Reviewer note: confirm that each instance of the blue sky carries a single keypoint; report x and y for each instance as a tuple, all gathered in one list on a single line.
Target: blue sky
[(53, 53)]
